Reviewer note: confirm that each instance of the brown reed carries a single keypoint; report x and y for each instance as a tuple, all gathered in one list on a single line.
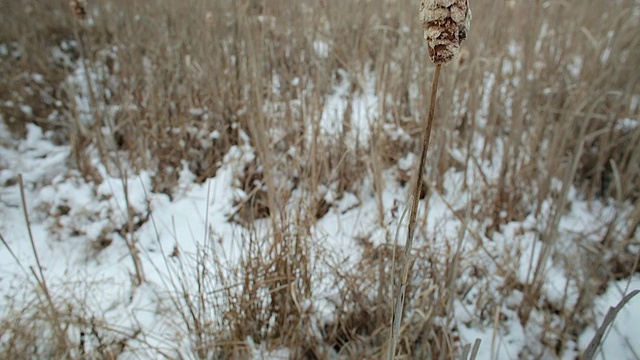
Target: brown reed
[(445, 24)]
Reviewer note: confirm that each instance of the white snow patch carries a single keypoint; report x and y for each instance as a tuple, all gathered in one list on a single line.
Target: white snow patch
[(321, 48), (352, 113)]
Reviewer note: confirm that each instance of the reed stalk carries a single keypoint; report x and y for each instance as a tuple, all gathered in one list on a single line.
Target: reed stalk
[(445, 24)]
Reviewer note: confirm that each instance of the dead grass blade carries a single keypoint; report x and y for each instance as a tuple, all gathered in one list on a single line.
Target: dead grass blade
[(590, 352)]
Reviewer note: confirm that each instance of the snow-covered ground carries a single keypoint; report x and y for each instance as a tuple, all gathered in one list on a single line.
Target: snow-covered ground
[(81, 233), (70, 217)]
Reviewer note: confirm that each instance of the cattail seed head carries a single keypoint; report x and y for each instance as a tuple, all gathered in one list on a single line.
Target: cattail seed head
[(209, 18), (446, 24), (77, 8)]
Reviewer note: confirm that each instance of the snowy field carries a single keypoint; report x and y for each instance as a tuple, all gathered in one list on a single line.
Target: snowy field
[(121, 268)]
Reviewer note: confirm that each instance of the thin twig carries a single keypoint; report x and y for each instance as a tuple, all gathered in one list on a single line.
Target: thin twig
[(474, 351), (129, 236), (39, 278)]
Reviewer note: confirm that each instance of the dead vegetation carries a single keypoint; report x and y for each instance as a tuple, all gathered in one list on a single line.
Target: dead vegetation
[(544, 96)]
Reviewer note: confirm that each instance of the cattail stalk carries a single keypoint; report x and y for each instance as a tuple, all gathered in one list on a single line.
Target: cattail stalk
[(445, 24)]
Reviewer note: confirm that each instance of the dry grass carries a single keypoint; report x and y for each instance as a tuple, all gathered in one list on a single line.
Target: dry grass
[(541, 92)]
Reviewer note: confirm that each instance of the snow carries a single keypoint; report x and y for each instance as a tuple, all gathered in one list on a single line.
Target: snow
[(360, 110), (261, 353), (506, 343), (627, 124), (321, 48), (200, 212)]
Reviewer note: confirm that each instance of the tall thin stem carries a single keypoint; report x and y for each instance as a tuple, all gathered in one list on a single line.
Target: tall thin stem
[(42, 282), (405, 262)]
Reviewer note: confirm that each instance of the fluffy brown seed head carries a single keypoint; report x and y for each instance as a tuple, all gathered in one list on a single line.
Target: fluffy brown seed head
[(445, 24), (77, 8)]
